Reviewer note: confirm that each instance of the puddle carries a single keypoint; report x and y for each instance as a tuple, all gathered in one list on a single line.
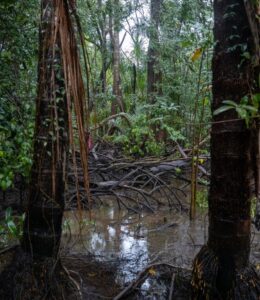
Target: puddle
[(133, 241)]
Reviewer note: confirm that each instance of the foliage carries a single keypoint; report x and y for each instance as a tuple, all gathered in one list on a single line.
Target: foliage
[(139, 140), (18, 47), (185, 51), (202, 199), (15, 152), (244, 109), (11, 228)]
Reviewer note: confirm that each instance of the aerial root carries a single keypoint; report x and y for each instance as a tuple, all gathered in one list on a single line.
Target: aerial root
[(150, 270), (38, 278), (246, 284), (204, 275), (74, 283)]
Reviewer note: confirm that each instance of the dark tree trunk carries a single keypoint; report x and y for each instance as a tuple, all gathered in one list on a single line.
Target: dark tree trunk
[(114, 33), (117, 91), (154, 74), (103, 46), (42, 229), (221, 269), (134, 79), (36, 271), (103, 73)]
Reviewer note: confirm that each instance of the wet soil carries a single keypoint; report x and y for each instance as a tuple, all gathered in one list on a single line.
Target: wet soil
[(107, 252), (128, 243)]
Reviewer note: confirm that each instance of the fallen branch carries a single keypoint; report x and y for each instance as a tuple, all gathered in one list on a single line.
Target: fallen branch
[(141, 277)]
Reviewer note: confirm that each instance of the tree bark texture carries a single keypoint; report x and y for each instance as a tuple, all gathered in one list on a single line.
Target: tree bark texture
[(114, 32), (218, 266), (102, 33), (42, 229), (154, 74)]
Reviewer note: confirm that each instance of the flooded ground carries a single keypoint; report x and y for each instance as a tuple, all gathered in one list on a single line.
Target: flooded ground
[(134, 241), (120, 244)]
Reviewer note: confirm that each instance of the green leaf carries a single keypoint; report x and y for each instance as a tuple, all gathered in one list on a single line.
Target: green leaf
[(256, 100), (222, 109), (230, 102), (242, 112), (12, 227), (8, 213), (249, 107), (246, 55)]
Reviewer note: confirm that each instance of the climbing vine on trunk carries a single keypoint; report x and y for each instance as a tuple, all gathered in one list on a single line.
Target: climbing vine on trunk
[(61, 96)]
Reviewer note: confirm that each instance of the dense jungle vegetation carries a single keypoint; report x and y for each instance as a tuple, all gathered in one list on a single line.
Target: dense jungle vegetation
[(183, 47), (133, 107)]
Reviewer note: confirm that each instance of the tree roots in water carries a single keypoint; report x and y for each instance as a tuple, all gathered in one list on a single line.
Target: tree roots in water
[(246, 283), (39, 278)]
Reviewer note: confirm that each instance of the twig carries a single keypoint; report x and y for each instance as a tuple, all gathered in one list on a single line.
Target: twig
[(172, 287), (140, 279)]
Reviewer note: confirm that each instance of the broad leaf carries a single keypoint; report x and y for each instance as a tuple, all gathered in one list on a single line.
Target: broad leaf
[(222, 109)]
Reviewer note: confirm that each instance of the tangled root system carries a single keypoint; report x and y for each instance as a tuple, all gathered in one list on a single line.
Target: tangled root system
[(38, 278), (246, 282)]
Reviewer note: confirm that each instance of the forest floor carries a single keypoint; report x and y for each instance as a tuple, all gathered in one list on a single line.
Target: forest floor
[(125, 256), (139, 242)]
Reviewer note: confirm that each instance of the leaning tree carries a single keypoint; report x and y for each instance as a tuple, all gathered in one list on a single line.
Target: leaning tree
[(60, 107), (221, 269)]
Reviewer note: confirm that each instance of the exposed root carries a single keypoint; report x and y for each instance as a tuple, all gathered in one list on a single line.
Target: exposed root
[(149, 271), (134, 184), (204, 275), (246, 284), (38, 278)]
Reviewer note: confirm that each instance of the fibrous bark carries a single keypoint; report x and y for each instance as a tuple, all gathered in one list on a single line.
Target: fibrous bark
[(60, 89), (42, 230), (36, 271)]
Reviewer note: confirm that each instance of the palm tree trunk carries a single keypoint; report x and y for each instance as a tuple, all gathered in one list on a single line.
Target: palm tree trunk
[(42, 229), (36, 271), (221, 269)]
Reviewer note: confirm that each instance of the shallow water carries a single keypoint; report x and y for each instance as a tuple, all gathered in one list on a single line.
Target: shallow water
[(134, 241)]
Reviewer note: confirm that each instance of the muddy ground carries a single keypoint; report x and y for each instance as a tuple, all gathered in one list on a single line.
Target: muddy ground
[(151, 253)]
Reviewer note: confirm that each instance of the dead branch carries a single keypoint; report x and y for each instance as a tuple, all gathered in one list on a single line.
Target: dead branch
[(141, 277), (134, 184)]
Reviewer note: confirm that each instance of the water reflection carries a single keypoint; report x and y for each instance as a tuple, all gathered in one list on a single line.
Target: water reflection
[(133, 241)]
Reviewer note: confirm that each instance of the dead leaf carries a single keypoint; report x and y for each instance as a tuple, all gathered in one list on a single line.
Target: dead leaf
[(152, 272), (196, 54)]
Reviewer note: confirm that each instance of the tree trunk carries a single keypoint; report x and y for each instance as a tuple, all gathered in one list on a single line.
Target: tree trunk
[(134, 79), (103, 73), (114, 33), (36, 271), (154, 74), (103, 46), (221, 269), (42, 229)]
